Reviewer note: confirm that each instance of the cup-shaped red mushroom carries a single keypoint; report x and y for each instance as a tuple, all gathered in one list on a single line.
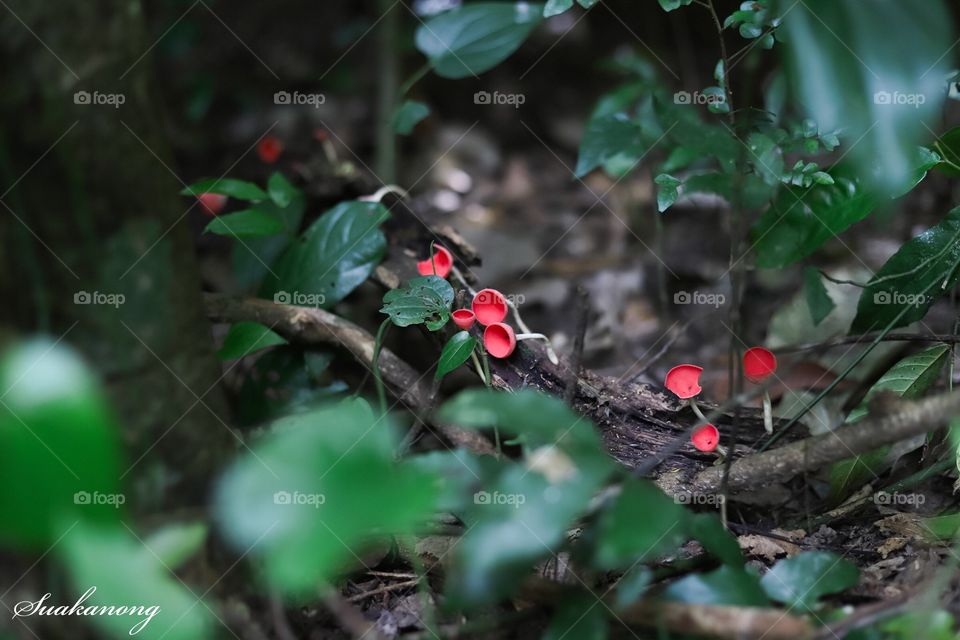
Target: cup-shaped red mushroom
[(439, 264), (269, 149), (463, 318), (684, 381), (490, 306), (212, 203), (499, 340), (706, 438), (758, 364)]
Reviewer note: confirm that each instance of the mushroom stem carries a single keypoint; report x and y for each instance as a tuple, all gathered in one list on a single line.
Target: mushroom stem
[(476, 364), (532, 336), (696, 409), (767, 412)]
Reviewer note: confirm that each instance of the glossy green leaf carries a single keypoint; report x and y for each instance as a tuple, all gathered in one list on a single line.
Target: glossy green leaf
[(909, 379), (947, 147), (319, 491), (253, 258), (455, 353), (249, 223), (556, 7), (59, 457), (766, 157), (476, 37), (578, 616), (819, 301), (726, 586), (425, 300), (801, 580), (668, 189), (408, 115), (923, 270), (333, 256), (245, 338), (671, 5), (125, 572), (281, 191), (848, 68), (239, 189), (608, 137)]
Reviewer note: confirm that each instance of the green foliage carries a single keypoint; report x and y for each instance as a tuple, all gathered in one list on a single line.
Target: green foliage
[(281, 191), (476, 37), (283, 381), (908, 379), (671, 5), (425, 300), (317, 492), (59, 458), (608, 137), (408, 115), (803, 579), (754, 20), (245, 338), (844, 71), (239, 189), (818, 300), (253, 257), (924, 269), (456, 352), (249, 223), (333, 256), (729, 586), (947, 147), (579, 616), (667, 192)]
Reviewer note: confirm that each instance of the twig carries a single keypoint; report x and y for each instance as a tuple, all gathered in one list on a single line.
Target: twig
[(576, 358), (384, 589)]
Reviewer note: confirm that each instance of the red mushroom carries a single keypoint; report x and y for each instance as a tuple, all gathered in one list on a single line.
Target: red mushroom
[(706, 438), (684, 381), (439, 264), (490, 306), (758, 365), (212, 203), (269, 149), (499, 340), (463, 318)]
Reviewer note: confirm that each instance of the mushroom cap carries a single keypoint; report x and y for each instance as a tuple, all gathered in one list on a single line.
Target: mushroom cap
[(706, 438), (212, 203), (463, 318), (499, 340), (269, 149), (442, 260), (490, 306), (758, 364), (684, 380)]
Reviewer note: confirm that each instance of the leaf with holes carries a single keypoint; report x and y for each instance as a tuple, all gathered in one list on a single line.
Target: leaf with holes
[(425, 300)]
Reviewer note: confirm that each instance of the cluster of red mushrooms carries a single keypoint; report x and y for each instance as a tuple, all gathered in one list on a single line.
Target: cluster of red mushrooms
[(684, 381), (489, 308)]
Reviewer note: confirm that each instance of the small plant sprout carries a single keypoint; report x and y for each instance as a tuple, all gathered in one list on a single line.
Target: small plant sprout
[(463, 318), (758, 365), (500, 340), (684, 381), (269, 149), (706, 438), (212, 203), (489, 306), (438, 264)]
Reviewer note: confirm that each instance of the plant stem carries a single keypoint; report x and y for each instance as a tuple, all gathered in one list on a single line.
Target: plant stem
[(414, 79), (375, 364)]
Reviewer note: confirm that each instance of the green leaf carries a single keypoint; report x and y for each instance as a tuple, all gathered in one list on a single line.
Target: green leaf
[(281, 190), (948, 147), (253, 257), (456, 472), (641, 524), (125, 572), (667, 192), (556, 7), (671, 5), (174, 544), (318, 492), (578, 616), (766, 158), (715, 538), (843, 69), (606, 138), (333, 256), (249, 223), (726, 586), (240, 189), (801, 580), (909, 379), (476, 37), (818, 300), (425, 300), (58, 439), (455, 353), (245, 338), (632, 585), (408, 115), (924, 269)]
